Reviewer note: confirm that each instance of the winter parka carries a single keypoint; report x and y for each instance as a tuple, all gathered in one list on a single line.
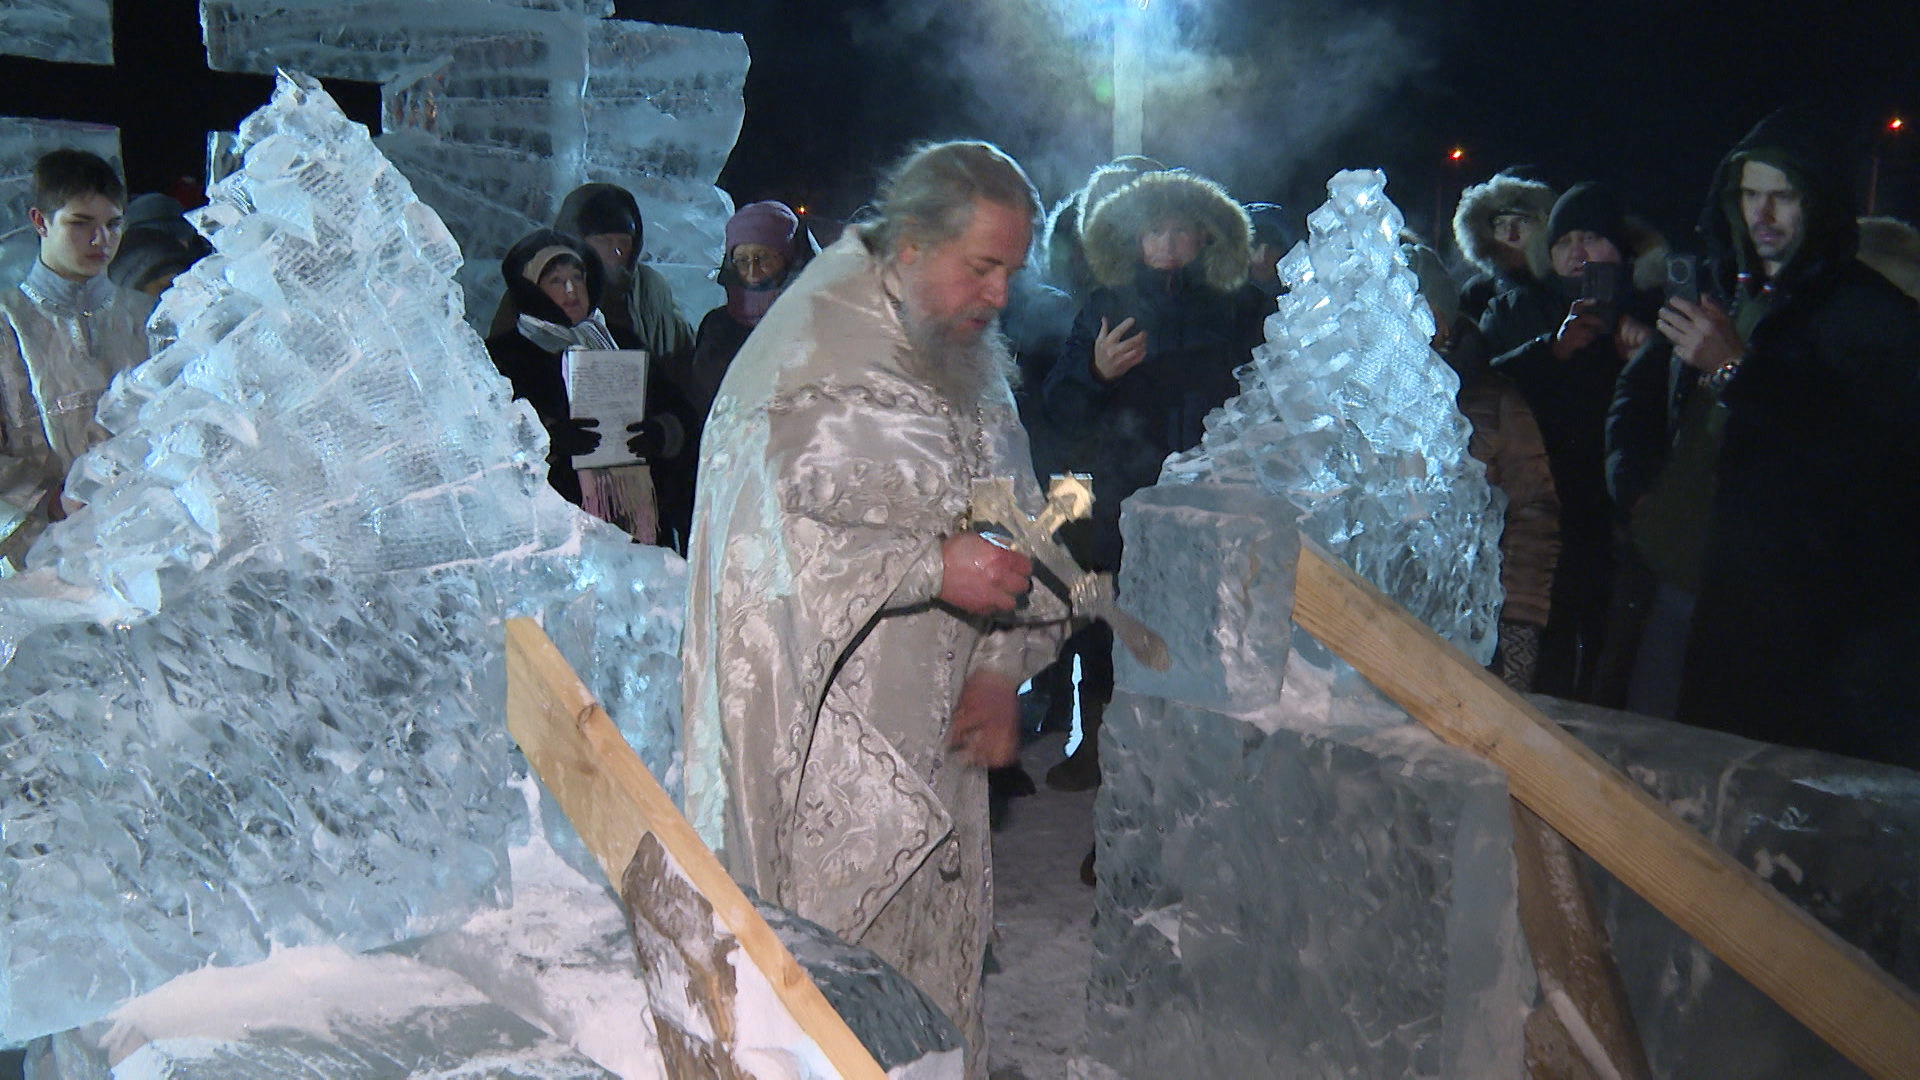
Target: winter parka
[(1201, 321), (1808, 622)]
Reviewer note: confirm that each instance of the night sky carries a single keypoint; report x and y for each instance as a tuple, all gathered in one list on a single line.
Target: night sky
[(1269, 97)]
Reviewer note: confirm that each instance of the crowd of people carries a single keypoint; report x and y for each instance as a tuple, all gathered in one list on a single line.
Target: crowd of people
[(1708, 450)]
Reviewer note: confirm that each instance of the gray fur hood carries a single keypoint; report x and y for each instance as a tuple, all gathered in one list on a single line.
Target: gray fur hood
[(1893, 248), (1473, 218), (1112, 227)]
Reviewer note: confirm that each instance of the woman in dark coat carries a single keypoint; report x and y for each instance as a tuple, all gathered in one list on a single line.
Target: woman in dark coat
[(1152, 351), (556, 282), (766, 249)]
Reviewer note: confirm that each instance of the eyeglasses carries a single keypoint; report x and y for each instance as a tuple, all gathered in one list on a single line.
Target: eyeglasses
[(744, 263)]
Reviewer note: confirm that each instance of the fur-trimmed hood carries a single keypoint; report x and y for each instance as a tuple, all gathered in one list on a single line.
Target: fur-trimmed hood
[(1473, 218), (1112, 227), (1893, 248), (1648, 251), (1066, 259)]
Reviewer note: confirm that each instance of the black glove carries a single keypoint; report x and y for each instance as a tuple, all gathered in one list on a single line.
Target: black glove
[(574, 437), (657, 438)]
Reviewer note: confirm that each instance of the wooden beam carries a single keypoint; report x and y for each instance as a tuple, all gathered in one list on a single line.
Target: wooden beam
[(1830, 986), (1571, 954), (615, 803)]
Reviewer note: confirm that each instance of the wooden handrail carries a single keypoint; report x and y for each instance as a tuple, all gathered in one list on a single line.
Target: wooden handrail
[(1827, 984), (613, 802)]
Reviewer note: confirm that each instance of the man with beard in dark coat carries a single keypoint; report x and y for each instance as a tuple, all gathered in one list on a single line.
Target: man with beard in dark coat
[(1807, 630)]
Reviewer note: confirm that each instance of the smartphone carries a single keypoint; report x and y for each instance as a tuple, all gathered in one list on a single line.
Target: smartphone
[(1602, 283), (1683, 278)]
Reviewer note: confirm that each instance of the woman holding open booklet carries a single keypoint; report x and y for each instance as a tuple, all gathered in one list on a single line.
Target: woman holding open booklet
[(562, 358)]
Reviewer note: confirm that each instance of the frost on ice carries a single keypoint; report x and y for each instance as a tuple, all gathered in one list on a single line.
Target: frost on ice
[(495, 109), (255, 685), (65, 31), (1296, 878)]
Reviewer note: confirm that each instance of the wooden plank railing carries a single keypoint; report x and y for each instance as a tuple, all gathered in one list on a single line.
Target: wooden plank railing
[(1827, 984), (615, 803)]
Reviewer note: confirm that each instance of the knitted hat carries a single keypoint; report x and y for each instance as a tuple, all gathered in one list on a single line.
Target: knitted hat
[(1590, 207), (146, 255), (771, 224)]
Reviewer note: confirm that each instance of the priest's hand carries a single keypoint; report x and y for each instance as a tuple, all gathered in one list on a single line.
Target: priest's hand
[(986, 722), (981, 577)]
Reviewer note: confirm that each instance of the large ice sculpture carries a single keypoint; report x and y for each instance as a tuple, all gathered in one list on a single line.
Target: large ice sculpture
[(495, 109), (67, 31), (1348, 411), (256, 699), (1295, 877), (22, 141)]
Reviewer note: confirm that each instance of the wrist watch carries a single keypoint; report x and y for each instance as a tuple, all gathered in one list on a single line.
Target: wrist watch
[(1724, 374)]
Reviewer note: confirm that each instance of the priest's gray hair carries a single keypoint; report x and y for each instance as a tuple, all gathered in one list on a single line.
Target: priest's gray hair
[(928, 197)]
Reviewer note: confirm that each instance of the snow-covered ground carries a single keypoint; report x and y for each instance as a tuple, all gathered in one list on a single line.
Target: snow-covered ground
[(1037, 1001)]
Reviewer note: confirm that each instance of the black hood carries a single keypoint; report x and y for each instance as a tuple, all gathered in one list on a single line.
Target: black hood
[(597, 209), (1806, 146), (527, 295)]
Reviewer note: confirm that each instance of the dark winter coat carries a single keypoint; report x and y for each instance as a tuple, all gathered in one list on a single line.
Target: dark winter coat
[(1037, 320), (1569, 399), (535, 375), (714, 346), (1808, 623), (1201, 322), (533, 371)]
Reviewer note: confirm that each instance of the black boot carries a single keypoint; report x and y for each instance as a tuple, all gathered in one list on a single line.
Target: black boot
[(1081, 770), (1005, 784)]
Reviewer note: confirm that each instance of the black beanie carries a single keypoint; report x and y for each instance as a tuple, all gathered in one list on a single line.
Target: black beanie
[(1590, 207)]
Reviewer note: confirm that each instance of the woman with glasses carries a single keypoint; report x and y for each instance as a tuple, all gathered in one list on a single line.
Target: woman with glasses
[(766, 247)]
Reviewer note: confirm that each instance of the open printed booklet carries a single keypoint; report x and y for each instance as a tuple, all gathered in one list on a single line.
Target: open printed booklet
[(609, 385)]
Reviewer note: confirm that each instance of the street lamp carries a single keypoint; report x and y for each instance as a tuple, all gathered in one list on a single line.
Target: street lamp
[(1887, 133), (1454, 159), (1129, 78)]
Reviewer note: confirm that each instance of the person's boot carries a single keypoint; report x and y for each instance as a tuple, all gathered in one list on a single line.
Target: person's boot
[(1005, 784), (1081, 770)]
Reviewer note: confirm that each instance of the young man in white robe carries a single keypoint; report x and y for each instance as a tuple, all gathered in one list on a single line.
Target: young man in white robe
[(65, 331)]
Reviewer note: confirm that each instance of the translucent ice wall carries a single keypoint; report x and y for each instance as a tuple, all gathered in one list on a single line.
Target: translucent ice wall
[(1349, 413), (1295, 877), (496, 109), (256, 685), (68, 31), (22, 141)]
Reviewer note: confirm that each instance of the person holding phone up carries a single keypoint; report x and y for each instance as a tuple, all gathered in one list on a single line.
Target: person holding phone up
[(1807, 619), (1563, 341)]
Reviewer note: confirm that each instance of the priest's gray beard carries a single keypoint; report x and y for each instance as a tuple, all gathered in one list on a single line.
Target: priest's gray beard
[(960, 369)]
